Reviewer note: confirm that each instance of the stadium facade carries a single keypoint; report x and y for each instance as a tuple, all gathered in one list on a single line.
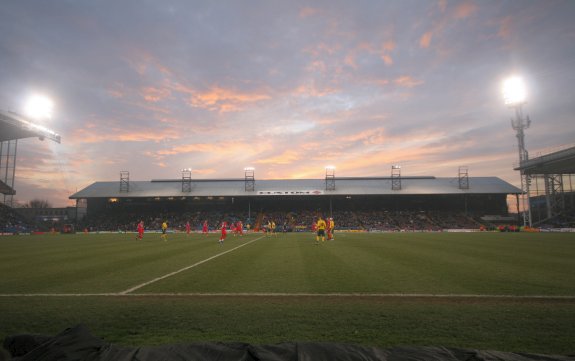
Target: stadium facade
[(477, 195)]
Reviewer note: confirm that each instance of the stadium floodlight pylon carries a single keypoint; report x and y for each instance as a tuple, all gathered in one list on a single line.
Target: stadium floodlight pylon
[(249, 179), (124, 181), (463, 177), (515, 96), (39, 107), (396, 177), (330, 178), (186, 180), (14, 126)]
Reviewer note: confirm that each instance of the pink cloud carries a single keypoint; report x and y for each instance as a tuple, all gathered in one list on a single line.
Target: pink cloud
[(464, 10), (220, 99), (205, 171), (115, 93), (152, 94), (370, 136), (314, 90), (442, 5), (287, 157), (213, 149), (307, 11), (388, 45), (321, 49), (407, 81), (387, 59), (126, 135), (350, 61), (425, 39)]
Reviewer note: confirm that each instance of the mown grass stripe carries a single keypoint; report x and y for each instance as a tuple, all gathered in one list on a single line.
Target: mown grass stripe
[(185, 268)]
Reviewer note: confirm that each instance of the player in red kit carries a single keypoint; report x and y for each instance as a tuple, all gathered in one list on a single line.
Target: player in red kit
[(140, 230), (224, 232), (188, 228), (240, 228), (205, 228)]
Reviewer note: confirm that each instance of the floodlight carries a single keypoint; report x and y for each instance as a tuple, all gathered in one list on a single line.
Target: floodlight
[(187, 170), (39, 107), (514, 91), (395, 166), (249, 169), (330, 167)]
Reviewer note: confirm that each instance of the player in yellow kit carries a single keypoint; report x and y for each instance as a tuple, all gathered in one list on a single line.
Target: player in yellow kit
[(320, 226), (165, 230)]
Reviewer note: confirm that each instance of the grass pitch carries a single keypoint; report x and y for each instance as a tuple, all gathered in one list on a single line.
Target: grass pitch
[(505, 291)]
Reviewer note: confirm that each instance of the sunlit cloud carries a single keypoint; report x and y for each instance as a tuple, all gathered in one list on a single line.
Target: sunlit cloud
[(116, 92), (407, 81), (287, 157), (360, 85), (387, 59), (307, 11), (464, 10), (368, 136), (122, 135), (205, 171), (222, 99), (216, 149), (442, 5), (425, 39), (152, 94), (313, 90)]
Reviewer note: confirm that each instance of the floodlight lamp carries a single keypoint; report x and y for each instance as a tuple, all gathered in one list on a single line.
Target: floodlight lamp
[(187, 170), (396, 166), (39, 107), (249, 169), (514, 91), (330, 167)]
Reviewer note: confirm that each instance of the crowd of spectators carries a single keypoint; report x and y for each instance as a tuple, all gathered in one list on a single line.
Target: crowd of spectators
[(566, 220), (289, 221), (11, 221), (127, 221)]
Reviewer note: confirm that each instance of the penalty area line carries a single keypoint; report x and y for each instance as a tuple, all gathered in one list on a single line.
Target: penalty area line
[(184, 269)]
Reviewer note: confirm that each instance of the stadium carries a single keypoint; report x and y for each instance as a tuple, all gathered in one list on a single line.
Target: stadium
[(424, 270), (293, 202)]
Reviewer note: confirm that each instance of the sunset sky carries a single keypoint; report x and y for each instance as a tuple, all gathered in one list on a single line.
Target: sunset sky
[(287, 87)]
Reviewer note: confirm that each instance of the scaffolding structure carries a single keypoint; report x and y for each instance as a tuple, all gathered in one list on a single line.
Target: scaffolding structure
[(124, 181), (186, 180), (396, 177), (463, 177), (8, 151), (249, 179), (330, 178)]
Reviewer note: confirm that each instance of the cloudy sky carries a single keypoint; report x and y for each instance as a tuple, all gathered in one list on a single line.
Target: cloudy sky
[(287, 87)]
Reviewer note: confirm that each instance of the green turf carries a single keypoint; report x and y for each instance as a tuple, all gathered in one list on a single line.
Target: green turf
[(391, 263)]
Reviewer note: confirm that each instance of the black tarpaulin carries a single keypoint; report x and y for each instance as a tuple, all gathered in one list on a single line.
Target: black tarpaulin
[(77, 343)]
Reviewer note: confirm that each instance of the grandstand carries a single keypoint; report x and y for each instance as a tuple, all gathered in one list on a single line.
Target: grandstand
[(552, 197), (369, 199)]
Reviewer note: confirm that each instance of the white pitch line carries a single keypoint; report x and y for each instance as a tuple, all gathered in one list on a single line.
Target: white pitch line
[(295, 295), (185, 268)]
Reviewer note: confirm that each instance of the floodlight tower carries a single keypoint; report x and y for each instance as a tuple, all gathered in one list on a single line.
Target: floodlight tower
[(330, 178), (249, 179), (37, 109), (514, 95), (186, 180), (396, 177)]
